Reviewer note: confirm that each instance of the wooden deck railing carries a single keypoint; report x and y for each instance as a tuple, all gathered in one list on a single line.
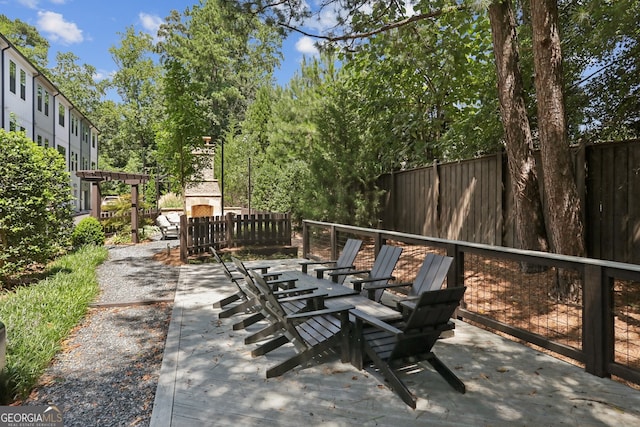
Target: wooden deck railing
[(598, 328), (198, 234)]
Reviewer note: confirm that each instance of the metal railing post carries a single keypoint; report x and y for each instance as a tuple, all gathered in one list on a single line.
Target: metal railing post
[(597, 328), (305, 240), (334, 242)]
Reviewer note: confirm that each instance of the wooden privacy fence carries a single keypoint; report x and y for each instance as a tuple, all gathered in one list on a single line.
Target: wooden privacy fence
[(598, 330), (198, 234), (472, 200)]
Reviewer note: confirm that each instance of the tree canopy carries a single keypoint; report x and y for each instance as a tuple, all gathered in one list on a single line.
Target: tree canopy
[(398, 85)]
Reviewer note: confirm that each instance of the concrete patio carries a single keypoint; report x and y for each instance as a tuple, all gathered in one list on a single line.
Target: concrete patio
[(208, 378)]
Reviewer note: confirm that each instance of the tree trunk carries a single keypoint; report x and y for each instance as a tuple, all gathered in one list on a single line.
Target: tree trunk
[(564, 220), (529, 220)]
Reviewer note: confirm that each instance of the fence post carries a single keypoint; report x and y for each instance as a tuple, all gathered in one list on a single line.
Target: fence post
[(435, 199), (455, 276), (305, 239), (392, 203), (378, 242), (500, 206), (581, 178), (184, 231), (229, 231), (597, 325), (334, 242)]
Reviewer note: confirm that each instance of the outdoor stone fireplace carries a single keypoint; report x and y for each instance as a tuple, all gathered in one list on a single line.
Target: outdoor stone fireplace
[(203, 198)]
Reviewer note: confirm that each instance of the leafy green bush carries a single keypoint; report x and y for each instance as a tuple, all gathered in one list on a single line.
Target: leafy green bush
[(35, 204), (88, 232)]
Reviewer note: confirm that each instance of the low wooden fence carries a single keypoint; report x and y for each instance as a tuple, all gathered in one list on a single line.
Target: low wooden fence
[(598, 328), (198, 234)]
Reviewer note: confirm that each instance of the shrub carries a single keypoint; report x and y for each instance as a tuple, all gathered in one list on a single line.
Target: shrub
[(88, 232), (35, 208)]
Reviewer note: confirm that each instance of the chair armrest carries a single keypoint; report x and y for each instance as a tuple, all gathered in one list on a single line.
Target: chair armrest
[(303, 315), (304, 297), (306, 264), (348, 272), (276, 284), (375, 322), (397, 285), (294, 291), (344, 267), (407, 303), (344, 270), (374, 279), (263, 269)]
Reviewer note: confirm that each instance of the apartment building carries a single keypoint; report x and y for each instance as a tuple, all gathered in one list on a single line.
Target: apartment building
[(31, 103)]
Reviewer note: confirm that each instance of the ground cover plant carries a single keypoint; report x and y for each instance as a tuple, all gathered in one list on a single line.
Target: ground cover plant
[(39, 316)]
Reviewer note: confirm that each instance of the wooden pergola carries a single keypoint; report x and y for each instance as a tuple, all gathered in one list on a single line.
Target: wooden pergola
[(133, 179)]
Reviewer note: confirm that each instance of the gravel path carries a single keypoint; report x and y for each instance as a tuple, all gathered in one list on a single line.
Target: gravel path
[(108, 371)]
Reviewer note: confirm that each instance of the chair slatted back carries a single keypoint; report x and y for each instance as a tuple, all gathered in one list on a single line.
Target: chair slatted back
[(226, 270), (251, 285), (274, 307), (383, 267), (431, 315), (347, 257), (349, 253), (268, 295), (432, 274)]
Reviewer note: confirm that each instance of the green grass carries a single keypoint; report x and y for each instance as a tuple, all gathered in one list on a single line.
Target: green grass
[(39, 316)]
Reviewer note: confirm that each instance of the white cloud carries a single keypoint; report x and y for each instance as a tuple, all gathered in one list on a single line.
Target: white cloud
[(326, 19), (151, 23), (31, 4), (306, 45), (100, 75), (54, 25)]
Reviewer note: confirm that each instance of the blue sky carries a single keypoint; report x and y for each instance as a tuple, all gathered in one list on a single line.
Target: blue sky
[(88, 28)]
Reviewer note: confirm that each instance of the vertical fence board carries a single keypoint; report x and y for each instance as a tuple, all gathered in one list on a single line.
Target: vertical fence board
[(594, 202), (620, 202), (633, 240), (607, 204), (441, 201), (197, 234)]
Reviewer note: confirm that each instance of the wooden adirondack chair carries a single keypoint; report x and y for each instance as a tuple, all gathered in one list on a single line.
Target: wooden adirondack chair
[(344, 262), (280, 288), (312, 331), (388, 346), (247, 303), (380, 274), (430, 277), (235, 279)]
